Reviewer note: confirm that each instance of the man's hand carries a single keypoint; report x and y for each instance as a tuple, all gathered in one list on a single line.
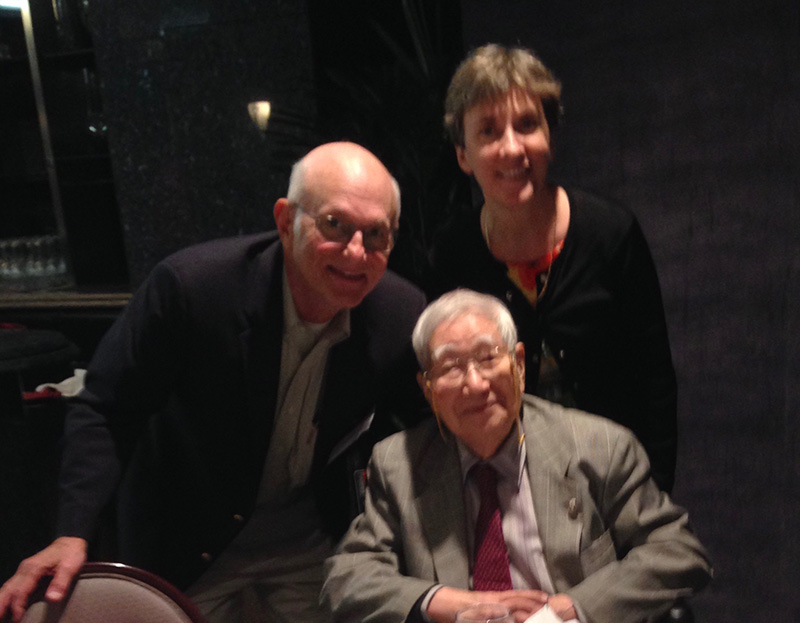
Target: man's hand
[(563, 607), (447, 601), (62, 559)]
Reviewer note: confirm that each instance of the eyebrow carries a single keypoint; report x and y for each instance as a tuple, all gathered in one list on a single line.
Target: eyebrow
[(444, 349)]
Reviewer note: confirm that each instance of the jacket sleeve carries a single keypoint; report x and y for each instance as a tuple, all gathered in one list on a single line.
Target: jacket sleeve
[(365, 580), (645, 351), (127, 380), (657, 557)]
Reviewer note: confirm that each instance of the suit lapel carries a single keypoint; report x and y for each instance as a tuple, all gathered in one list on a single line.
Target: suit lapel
[(441, 502), (556, 499), (261, 341), (347, 396)]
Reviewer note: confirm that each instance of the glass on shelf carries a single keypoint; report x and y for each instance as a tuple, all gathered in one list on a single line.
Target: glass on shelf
[(33, 264)]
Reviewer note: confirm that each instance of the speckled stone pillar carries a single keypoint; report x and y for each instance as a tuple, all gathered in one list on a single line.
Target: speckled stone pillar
[(188, 162)]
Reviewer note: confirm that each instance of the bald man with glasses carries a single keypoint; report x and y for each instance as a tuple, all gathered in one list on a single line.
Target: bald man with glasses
[(233, 403)]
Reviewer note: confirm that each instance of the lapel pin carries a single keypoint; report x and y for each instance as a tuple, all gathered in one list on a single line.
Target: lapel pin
[(573, 508)]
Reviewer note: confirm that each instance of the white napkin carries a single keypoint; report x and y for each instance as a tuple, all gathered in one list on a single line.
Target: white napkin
[(68, 387), (546, 615)]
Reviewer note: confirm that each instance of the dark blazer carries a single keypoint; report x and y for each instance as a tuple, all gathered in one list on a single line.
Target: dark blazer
[(180, 399), (612, 541)]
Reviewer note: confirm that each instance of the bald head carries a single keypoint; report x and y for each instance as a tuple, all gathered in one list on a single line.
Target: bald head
[(330, 166), (337, 225)]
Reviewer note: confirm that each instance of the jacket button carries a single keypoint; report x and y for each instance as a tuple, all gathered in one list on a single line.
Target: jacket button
[(238, 518), (509, 295), (562, 355), (206, 557)]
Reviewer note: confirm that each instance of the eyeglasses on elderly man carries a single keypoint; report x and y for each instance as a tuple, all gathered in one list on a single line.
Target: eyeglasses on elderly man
[(469, 512)]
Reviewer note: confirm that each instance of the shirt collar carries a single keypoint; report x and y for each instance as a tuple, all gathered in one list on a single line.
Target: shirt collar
[(508, 461), (308, 333)]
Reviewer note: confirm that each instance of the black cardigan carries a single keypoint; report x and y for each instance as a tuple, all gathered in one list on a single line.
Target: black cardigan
[(601, 316)]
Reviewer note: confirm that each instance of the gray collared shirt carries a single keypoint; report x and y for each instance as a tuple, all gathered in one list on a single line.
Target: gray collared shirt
[(304, 355), (283, 540)]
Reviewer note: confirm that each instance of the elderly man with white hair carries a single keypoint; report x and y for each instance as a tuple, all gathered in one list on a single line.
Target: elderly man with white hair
[(507, 498)]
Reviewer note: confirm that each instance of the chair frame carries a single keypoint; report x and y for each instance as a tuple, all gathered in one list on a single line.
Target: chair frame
[(111, 569)]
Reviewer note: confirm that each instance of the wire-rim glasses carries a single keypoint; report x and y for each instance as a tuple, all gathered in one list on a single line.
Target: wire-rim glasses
[(453, 370), (378, 236)]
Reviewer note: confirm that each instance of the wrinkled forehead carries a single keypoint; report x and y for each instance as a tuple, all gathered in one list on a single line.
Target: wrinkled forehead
[(353, 206), (362, 199)]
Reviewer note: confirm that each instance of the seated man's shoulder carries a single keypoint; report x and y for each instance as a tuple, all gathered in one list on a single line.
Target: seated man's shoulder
[(410, 444), (574, 424), (594, 447)]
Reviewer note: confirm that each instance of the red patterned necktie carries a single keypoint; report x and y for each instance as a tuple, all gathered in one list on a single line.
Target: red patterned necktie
[(491, 557)]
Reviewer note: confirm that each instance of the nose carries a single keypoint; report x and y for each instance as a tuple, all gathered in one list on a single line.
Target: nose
[(473, 379), (509, 142), (355, 246)]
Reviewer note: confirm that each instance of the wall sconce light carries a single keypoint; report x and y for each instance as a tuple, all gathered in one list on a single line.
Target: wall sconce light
[(259, 113), (280, 119)]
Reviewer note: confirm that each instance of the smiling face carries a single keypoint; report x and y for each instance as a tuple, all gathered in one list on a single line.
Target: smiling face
[(507, 148), (480, 407), (348, 183)]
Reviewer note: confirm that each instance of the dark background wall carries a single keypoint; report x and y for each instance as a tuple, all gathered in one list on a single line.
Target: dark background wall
[(177, 78), (686, 112)]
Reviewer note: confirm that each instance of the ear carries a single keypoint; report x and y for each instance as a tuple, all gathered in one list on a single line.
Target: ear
[(284, 215), (519, 367), (461, 156), (425, 386)]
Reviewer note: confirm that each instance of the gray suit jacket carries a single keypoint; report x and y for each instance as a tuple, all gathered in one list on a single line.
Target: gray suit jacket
[(613, 542)]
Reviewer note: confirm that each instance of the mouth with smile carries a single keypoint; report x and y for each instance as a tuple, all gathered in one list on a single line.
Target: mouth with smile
[(478, 409), (348, 276), (513, 174)]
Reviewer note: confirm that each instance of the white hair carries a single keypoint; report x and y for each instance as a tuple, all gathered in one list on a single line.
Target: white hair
[(460, 303)]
